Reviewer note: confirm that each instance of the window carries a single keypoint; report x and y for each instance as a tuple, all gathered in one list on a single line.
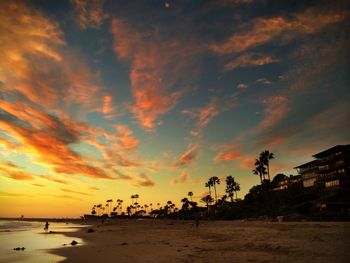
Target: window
[(334, 183)]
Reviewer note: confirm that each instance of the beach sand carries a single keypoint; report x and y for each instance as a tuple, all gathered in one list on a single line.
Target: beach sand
[(214, 241)]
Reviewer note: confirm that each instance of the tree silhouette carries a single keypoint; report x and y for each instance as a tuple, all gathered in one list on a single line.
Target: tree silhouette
[(215, 180), (190, 194), (185, 204), (260, 169), (265, 158), (236, 188), (230, 182), (207, 200), (209, 184)]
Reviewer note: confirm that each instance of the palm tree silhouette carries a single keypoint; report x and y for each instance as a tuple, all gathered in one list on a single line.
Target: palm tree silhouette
[(260, 169), (230, 182), (236, 188), (209, 184), (207, 200), (215, 180), (265, 157), (190, 194)]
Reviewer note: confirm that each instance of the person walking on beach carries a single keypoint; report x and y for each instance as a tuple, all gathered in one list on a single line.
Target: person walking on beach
[(46, 228)]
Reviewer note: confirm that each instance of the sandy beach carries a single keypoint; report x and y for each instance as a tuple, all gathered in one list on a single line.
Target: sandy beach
[(214, 241)]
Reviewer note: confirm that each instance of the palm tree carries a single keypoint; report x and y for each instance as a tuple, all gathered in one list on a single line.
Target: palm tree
[(207, 200), (265, 157), (190, 194), (260, 169), (230, 182), (136, 196), (236, 188), (132, 199), (215, 180), (209, 184)]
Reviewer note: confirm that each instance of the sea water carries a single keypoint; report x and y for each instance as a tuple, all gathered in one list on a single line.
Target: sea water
[(35, 239)]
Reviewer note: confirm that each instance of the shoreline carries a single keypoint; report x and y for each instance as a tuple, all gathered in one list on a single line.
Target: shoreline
[(214, 241)]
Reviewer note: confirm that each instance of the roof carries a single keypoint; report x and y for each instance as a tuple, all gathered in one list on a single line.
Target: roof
[(306, 164), (335, 149)]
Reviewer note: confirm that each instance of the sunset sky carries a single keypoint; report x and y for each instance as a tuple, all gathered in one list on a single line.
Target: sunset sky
[(104, 99)]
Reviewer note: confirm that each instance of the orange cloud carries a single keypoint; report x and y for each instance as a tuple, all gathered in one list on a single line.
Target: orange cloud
[(48, 138), (13, 171), (73, 192), (183, 178), (157, 64), (250, 60), (53, 179), (227, 155), (24, 33), (108, 107), (188, 156), (145, 181), (14, 194), (38, 65), (276, 109), (247, 162), (207, 113), (125, 137), (262, 30), (89, 14), (38, 185)]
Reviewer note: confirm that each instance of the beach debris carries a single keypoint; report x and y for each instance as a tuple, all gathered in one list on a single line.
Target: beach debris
[(73, 243), (90, 230), (19, 248), (124, 244)]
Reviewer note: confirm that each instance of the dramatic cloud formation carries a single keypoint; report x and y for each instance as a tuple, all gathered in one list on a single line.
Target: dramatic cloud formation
[(157, 63), (262, 30), (89, 92), (14, 172)]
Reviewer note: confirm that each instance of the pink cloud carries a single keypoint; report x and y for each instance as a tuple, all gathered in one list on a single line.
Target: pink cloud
[(126, 138), (227, 155), (157, 64), (182, 178), (188, 156)]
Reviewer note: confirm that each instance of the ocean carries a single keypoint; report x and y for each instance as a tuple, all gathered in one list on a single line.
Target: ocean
[(32, 236)]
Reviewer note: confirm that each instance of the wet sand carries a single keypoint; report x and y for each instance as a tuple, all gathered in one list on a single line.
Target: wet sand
[(214, 241)]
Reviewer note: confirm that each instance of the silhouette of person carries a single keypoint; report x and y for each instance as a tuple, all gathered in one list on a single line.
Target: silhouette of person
[(197, 222), (46, 228)]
